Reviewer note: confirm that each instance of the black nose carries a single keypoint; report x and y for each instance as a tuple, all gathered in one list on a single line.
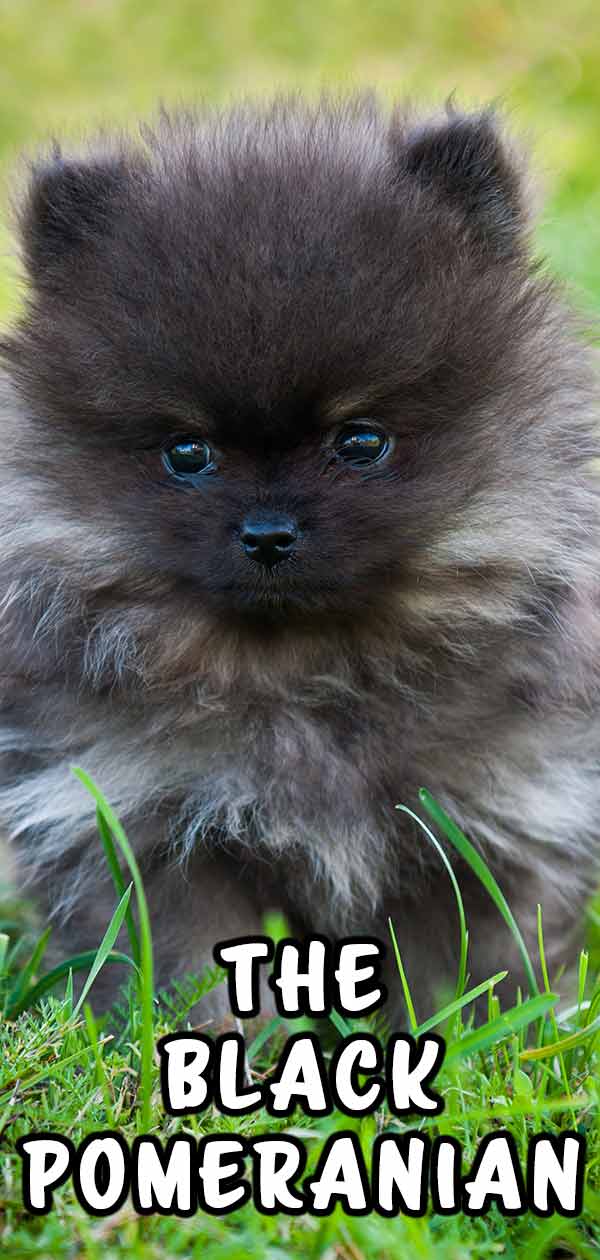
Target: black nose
[(268, 539)]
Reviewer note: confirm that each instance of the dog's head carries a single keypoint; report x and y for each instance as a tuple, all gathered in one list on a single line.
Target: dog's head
[(280, 368)]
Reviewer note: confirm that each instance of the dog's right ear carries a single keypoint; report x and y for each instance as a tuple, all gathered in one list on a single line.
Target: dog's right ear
[(69, 203)]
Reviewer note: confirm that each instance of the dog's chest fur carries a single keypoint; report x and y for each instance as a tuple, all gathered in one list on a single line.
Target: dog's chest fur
[(310, 781)]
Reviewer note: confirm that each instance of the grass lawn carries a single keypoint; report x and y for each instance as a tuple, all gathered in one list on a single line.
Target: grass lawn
[(66, 65), (525, 1070)]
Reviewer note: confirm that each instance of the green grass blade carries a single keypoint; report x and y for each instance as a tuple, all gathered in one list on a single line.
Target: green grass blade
[(546, 984), (593, 1007), (563, 1044), (470, 855), (22, 984), (503, 1026), (412, 1018), (584, 961), (457, 1005), (101, 1075), (4, 944), (105, 947), (340, 1023), (464, 935), (79, 962), (146, 977), (68, 998), (112, 858), (263, 1036)]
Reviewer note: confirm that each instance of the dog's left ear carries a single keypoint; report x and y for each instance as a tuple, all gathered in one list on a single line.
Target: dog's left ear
[(465, 159)]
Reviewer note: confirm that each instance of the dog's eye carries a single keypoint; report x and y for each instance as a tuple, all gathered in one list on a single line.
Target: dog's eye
[(188, 458), (361, 443)]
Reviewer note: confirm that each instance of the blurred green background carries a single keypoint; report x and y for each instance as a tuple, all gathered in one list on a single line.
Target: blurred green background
[(68, 65)]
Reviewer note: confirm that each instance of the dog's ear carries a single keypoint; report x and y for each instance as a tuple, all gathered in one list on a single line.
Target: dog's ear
[(69, 202), (465, 159)]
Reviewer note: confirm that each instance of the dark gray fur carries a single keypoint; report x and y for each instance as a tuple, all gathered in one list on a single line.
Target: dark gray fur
[(255, 277)]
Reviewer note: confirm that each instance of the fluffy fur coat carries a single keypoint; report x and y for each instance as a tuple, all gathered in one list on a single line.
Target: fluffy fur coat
[(259, 281)]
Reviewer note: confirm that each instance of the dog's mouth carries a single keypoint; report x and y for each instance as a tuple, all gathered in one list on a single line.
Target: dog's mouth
[(275, 600), (281, 601), (296, 590)]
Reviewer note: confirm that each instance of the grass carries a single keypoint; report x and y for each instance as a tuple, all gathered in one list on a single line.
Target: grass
[(526, 1069), (66, 66)]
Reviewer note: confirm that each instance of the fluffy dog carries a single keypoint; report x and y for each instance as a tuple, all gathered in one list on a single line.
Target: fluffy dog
[(297, 514)]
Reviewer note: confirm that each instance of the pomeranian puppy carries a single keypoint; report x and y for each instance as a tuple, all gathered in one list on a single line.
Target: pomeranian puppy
[(298, 514)]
